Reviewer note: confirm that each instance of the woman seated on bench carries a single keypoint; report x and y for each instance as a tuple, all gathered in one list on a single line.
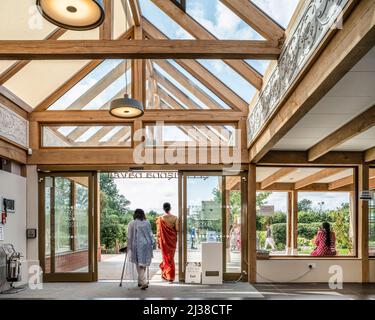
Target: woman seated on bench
[(325, 241)]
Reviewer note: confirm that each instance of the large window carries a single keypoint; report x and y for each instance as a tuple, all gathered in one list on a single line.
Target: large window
[(184, 135), (65, 136), (372, 214), (316, 208), (271, 223), (297, 206)]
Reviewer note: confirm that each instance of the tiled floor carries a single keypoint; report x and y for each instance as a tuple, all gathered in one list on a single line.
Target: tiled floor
[(105, 290), (317, 291)]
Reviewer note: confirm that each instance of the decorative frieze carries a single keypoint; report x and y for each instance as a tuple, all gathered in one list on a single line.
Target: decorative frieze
[(317, 18), (13, 127)]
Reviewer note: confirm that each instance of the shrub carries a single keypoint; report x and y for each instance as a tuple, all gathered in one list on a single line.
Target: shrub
[(279, 235), (261, 238), (308, 230)]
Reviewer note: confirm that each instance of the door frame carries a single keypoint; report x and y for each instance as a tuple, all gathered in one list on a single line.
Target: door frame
[(182, 215), (92, 274)]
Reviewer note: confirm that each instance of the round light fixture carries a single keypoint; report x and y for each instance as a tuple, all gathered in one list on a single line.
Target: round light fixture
[(126, 108), (73, 14)]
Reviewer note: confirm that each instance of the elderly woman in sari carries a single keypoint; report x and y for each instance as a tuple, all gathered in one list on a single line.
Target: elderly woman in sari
[(140, 245)]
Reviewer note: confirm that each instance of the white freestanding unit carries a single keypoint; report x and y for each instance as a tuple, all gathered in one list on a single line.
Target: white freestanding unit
[(212, 263)]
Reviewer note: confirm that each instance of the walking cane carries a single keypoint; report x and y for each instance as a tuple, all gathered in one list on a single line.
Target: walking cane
[(123, 267)]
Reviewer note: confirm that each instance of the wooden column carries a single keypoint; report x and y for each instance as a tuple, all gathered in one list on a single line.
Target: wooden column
[(138, 71), (294, 221), (363, 228), (289, 234), (227, 226), (251, 222)]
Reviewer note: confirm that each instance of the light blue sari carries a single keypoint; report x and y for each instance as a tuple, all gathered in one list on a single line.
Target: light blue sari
[(140, 242)]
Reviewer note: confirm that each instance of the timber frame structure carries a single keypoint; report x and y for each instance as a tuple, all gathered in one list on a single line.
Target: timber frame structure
[(159, 68)]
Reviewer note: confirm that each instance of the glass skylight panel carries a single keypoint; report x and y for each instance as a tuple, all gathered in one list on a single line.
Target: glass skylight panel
[(162, 21), (259, 65), (94, 91), (199, 84), (220, 20), (230, 78), (279, 10), (85, 84), (82, 136), (180, 87)]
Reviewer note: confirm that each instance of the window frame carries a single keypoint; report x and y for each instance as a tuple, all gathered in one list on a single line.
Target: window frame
[(89, 125), (355, 224)]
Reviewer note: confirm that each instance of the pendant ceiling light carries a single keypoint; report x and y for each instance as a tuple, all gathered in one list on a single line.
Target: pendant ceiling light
[(73, 14), (126, 107)]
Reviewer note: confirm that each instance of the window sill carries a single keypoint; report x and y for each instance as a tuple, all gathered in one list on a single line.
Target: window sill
[(310, 258)]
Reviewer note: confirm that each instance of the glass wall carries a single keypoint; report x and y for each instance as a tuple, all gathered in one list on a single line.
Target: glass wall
[(66, 219), (203, 214), (233, 202), (271, 222), (55, 136), (316, 208)]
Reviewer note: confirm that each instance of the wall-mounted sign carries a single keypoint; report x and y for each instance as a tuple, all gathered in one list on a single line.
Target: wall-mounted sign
[(30, 233), (144, 175), (366, 195), (9, 205), (267, 210)]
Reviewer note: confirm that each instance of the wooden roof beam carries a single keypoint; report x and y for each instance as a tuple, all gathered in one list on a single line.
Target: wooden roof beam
[(201, 73), (136, 12), (257, 19), (103, 116), (199, 32), (316, 177), (99, 87), (137, 49), (347, 46), (341, 183), (71, 82), (19, 65), (273, 178), (106, 29), (370, 155), (168, 85), (359, 124), (188, 84)]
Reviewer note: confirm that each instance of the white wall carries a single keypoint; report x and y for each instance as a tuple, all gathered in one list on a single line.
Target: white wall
[(14, 187), (286, 270), (32, 213), (372, 270)]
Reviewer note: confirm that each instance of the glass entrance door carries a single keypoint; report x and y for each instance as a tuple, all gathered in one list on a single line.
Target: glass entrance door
[(67, 227), (213, 210)]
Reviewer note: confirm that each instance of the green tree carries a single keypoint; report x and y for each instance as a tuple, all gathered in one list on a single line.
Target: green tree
[(341, 217), (115, 214), (305, 205)]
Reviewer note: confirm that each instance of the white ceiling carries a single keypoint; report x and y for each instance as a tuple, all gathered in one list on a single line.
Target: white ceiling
[(352, 95), (299, 174)]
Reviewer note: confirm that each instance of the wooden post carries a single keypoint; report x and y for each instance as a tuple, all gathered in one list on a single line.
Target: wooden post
[(251, 213), (289, 235), (363, 228), (295, 221)]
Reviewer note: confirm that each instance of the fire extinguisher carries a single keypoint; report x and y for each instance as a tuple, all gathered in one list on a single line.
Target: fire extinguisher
[(4, 214)]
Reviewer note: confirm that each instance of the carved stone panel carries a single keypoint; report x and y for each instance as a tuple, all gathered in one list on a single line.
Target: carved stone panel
[(13, 127), (317, 19)]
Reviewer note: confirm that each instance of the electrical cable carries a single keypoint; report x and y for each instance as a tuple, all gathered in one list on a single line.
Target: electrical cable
[(288, 281)]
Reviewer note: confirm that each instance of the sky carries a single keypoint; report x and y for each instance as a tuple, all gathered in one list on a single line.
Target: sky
[(150, 194)]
